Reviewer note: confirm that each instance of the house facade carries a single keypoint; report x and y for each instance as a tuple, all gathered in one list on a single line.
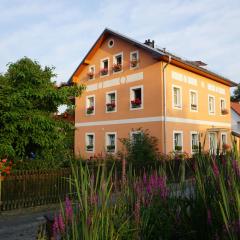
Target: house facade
[(131, 85)]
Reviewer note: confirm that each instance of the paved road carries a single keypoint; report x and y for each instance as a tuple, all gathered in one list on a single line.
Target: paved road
[(23, 224)]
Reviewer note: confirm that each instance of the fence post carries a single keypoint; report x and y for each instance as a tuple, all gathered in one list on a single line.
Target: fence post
[(123, 169)]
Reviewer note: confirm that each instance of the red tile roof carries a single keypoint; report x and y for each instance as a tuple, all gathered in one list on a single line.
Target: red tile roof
[(236, 107)]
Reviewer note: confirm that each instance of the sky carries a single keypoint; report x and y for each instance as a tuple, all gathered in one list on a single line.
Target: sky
[(60, 32)]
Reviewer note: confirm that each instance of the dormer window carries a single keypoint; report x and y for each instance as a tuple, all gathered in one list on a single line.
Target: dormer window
[(134, 60), (104, 68), (117, 62), (91, 72)]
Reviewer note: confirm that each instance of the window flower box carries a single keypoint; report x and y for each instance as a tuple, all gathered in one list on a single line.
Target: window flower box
[(111, 148), (134, 63), (195, 148), (111, 106), (136, 103), (89, 147), (178, 148), (104, 71), (194, 106), (90, 110), (117, 67), (224, 111), (90, 75)]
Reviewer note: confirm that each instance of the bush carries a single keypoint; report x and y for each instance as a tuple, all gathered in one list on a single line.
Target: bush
[(141, 149)]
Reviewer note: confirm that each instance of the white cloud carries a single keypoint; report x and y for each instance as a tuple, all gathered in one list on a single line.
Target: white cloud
[(60, 33)]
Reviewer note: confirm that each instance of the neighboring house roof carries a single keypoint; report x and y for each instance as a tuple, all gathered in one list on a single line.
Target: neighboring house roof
[(158, 54), (235, 106)]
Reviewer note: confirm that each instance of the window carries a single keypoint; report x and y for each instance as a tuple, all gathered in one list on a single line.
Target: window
[(118, 62), (111, 101), (211, 105), (134, 59), (223, 107), (212, 143), (224, 141), (111, 142), (177, 97), (194, 142), (136, 98), (136, 136), (193, 101), (177, 141), (91, 72), (90, 105), (104, 68), (90, 142), (110, 43)]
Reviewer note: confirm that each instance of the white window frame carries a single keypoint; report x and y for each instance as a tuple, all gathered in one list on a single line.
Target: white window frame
[(106, 101), (131, 53), (86, 141), (101, 66), (191, 133), (216, 141), (223, 134), (196, 92), (94, 67), (180, 105), (107, 143), (111, 39), (222, 99), (115, 61), (214, 104), (175, 132), (132, 97), (86, 105)]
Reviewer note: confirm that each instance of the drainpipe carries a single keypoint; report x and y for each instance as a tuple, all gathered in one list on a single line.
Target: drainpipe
[(164, 105)]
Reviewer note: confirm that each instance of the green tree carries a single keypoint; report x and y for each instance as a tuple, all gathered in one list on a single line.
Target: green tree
[(28, 100), (236, 94)]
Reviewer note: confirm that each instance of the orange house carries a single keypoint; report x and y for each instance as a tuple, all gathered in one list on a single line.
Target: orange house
[(131, 85)]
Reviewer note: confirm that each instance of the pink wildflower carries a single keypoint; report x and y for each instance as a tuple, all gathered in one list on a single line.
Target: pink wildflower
[(61, 223), (215, 169), (68, 209), (55, 226)]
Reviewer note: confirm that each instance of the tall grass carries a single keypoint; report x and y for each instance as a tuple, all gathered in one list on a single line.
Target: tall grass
[(151, 205)]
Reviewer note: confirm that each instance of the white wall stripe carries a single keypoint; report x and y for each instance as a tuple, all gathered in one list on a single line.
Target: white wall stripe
[(120, 121), (153, 119)]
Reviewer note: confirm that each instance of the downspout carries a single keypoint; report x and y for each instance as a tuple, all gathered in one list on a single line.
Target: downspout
[(164, 105)]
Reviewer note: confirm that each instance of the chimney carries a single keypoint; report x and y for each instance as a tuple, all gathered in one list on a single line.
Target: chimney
[(149, 43)]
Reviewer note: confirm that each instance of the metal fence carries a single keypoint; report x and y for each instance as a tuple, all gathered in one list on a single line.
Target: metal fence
[(33, 188)]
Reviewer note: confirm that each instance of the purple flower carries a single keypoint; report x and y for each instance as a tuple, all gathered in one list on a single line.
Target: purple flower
[(61, 223), (215, 169), (68, 209), (55, 226), (144, 178)]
